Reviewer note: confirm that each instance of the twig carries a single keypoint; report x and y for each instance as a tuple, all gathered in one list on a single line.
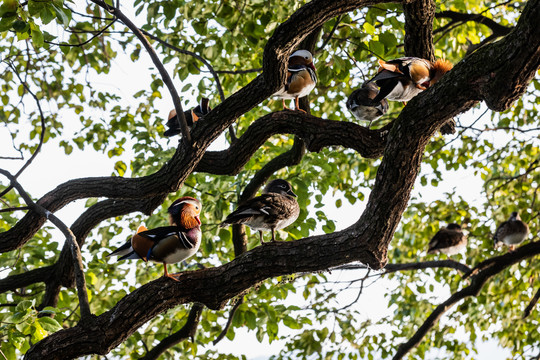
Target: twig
[(229, 321), (234, 72), (187, 331), (390, 268), (531, 305), (330, 34), (41, 137), (14, 209), (100, 32), (11, 158), (458, 136), (362, 281), (75, 250), (201, 59), (461, 18), (159, 65), (480, 275)]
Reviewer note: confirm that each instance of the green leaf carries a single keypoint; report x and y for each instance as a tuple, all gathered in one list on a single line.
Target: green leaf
[(49, 324), (37, 38)]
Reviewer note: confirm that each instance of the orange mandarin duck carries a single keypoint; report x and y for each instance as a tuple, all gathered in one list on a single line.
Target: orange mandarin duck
[(191, 116), (404, 78), (169, 244), (301, 77)]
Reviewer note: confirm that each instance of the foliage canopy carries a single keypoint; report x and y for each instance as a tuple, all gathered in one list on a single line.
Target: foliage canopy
[(55, 57)]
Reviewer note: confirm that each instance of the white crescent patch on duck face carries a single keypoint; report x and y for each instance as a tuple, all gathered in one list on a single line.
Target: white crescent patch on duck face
[(303, 53), (191, 202)]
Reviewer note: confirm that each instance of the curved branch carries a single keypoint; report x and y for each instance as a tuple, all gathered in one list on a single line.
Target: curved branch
[(212, 287), (187, 331), (117, 13), (368, 143), (227, 326), (41, 136), (25, 279), (70, 239), (457, 17), (532, 304), (498, 264)]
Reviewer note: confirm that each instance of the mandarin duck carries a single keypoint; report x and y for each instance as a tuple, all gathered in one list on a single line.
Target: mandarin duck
[(449, 240), (511, 232), (301, 78), (275, 209), (360, 103), (191, 117), (168, 244), (404, 78)]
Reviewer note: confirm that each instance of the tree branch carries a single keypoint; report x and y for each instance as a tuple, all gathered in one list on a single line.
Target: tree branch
[(532, 304), (41, 136), (368, 143), (457, 17), (419, 17), (227, 326), (70, 238), (497, 264), (390, 268), (117, 13), (25, 279), (187, 331)]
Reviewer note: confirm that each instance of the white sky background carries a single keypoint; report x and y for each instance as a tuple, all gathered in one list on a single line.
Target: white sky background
[(52, 168)]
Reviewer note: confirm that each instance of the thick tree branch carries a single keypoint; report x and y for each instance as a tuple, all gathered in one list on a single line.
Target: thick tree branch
[(368, 143), (419, 15), (28, 278), (70, 239), (497, 265)]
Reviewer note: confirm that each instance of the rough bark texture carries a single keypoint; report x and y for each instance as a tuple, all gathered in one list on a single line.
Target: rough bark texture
[(419, 17)]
